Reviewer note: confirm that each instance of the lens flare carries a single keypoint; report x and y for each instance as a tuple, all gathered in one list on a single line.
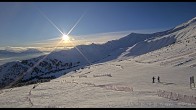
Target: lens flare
[(65, 38)]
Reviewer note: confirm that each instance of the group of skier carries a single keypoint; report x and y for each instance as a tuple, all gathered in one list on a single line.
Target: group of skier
[(153, 79)]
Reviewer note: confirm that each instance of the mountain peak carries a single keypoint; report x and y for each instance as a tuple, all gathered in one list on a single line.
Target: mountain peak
[(188, 23), (192, 20)]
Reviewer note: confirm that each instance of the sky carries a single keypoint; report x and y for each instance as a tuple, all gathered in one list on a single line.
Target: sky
[(41, 24)]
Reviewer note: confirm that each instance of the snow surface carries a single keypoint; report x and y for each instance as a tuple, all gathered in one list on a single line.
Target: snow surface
[(128, 85)]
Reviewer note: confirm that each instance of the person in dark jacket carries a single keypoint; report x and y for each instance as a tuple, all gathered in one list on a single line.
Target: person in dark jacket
[(158, 79), (153, 78)]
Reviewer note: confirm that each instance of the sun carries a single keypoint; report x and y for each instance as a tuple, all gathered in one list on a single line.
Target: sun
[(65, 37)]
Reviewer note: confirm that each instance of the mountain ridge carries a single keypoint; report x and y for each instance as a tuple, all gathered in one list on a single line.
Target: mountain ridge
[(59, 63)]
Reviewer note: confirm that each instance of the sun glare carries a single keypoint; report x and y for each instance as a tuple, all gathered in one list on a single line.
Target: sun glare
[(65, 37)]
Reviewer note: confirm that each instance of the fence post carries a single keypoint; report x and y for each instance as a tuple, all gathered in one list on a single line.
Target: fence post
[(190, 82), (193, 81)]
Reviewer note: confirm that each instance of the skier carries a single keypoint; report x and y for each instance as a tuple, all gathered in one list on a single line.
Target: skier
[(158, 79), (34, 87), (153, 78)]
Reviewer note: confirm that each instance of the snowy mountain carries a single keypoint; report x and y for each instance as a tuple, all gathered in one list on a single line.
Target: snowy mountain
[(181, 49), (141, 47)]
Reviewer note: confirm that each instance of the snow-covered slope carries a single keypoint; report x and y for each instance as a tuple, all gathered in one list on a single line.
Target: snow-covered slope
[(180, 53), (179, 34), (140, 46), (108, 85)]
